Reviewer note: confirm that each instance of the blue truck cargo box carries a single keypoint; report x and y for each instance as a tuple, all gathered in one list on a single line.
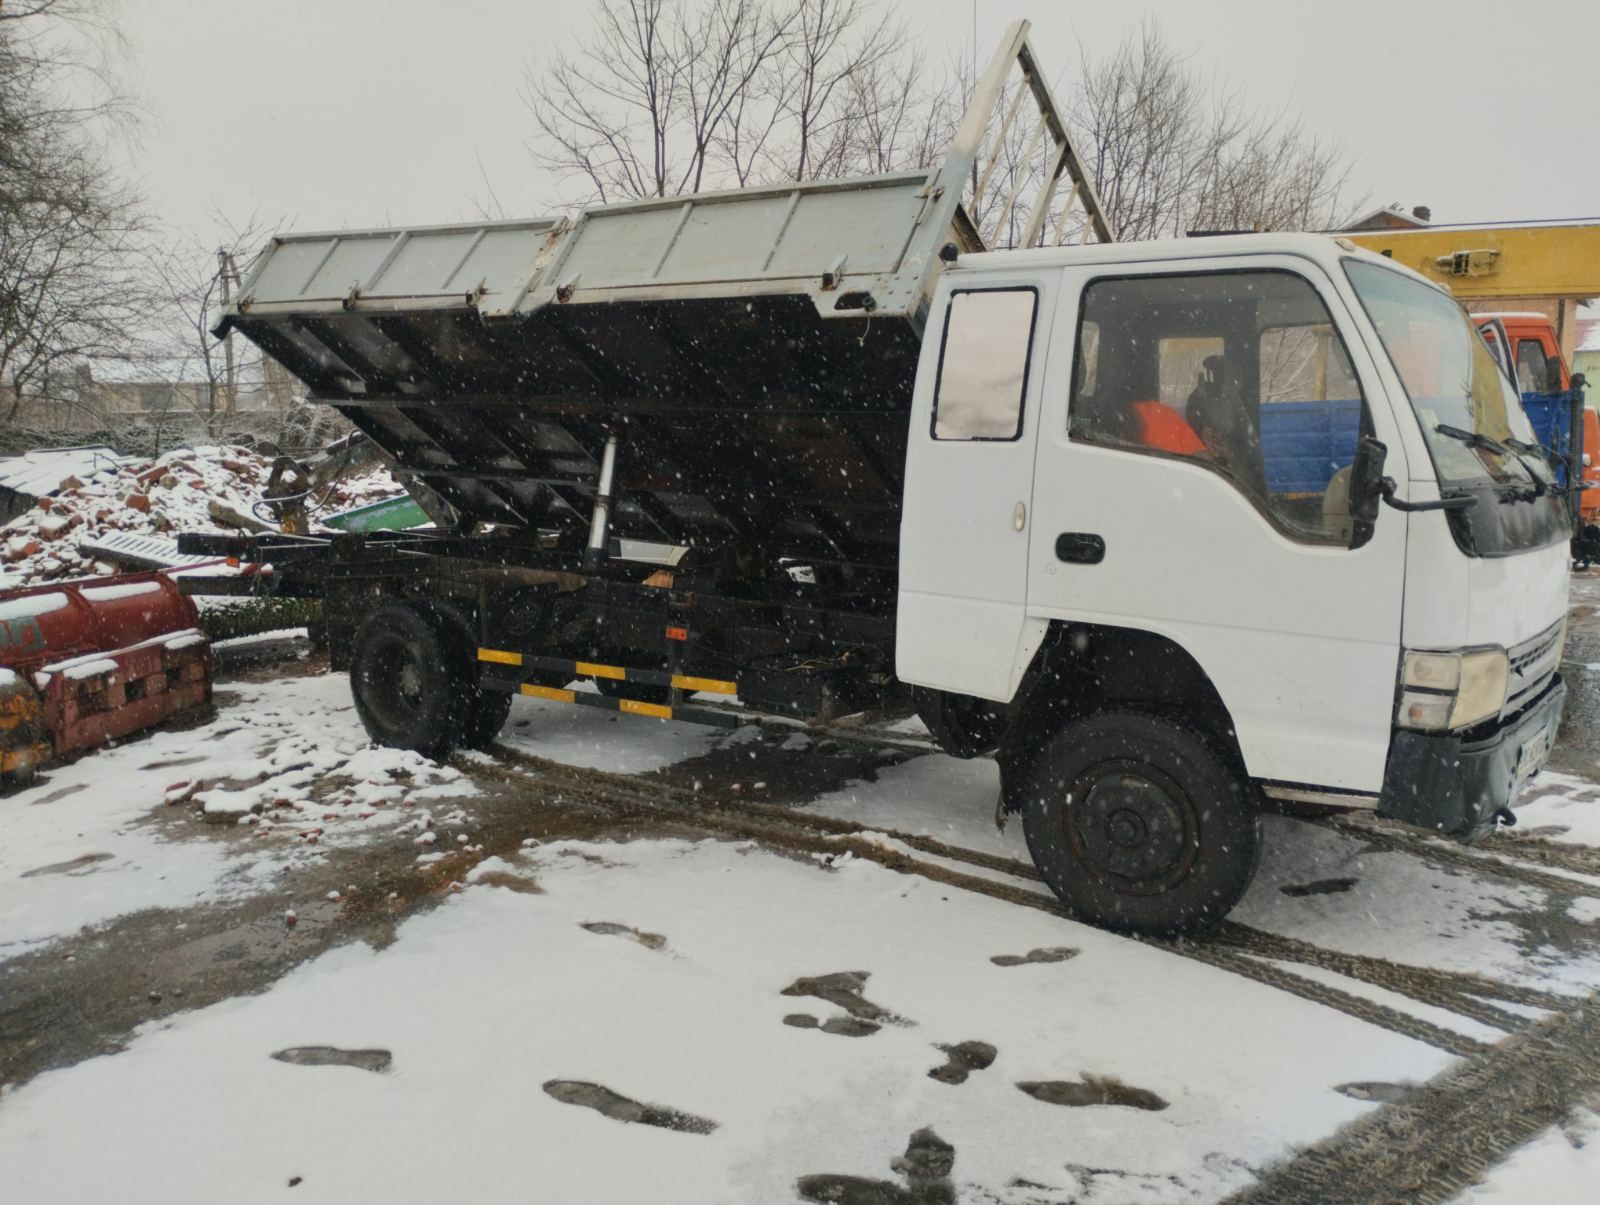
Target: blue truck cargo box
[(1305, 443)]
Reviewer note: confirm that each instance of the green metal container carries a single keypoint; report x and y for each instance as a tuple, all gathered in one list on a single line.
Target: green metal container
[(392, 514)]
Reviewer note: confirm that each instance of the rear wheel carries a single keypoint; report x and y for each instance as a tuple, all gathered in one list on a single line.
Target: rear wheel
[(485, 718), (408, 680), (1139, 824)]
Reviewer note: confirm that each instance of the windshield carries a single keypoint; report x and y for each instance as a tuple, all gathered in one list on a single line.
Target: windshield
[(1461, 398)]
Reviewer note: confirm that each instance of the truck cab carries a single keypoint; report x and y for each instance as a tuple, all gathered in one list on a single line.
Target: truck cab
[(1260, 506), (1526, 343)]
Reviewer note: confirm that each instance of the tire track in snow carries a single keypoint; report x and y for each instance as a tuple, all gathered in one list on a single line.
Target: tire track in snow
[(1445, 1136), (1238, 951)]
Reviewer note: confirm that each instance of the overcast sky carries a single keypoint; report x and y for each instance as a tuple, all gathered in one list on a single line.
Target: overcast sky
[(332, 113)]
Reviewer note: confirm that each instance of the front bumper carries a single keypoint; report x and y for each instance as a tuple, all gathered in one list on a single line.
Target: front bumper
[(1455, 786)]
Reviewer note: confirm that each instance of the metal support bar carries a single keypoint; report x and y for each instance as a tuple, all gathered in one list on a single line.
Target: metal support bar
[(1022, 178), (1041, 206), (600, 520), (996, 149)]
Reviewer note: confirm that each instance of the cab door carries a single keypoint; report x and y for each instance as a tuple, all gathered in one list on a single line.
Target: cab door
[(1223, 530), (962, 607)]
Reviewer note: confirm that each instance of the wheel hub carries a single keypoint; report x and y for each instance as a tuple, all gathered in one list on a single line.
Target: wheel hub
[(1133, 828)]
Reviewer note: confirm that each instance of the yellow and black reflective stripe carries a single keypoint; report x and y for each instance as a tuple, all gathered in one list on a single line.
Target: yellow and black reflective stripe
[(614, 673), (658, 711), (499, 658)]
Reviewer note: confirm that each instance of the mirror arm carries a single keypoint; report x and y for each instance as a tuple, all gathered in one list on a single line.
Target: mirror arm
[(1386, 488)]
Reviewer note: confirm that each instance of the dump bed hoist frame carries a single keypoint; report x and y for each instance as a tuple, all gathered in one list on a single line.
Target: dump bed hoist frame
[(747, 357)]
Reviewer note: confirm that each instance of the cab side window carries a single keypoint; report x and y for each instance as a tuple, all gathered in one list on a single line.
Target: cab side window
[(1242, 372), (983, 364), (1533, 367)]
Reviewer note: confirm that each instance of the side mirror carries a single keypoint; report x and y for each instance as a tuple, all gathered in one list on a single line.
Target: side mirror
[(1366, 484), (1555, 376)]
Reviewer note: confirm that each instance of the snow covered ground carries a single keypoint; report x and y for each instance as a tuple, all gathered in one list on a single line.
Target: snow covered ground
[(105, 836), (1560, 1167), (498, 992), (663, 1019)]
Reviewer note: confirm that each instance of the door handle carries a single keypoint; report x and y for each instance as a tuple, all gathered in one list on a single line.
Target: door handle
[(1080, 548)]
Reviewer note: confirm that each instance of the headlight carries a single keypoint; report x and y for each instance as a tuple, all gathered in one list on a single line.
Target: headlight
[(1451, 690)]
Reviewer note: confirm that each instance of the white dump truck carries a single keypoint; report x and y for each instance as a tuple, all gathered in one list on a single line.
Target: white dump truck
[(1170, 529)]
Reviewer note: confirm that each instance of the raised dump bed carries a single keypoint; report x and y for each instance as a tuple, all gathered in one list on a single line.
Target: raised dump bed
[(752, 351)]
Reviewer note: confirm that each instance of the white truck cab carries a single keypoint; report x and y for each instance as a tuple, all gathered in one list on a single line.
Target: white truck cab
[(1256, 508)]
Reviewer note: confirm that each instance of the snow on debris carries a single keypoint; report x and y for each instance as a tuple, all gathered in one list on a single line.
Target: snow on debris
[(148, 497), (285, 768), (42, 470), (32, 606), (113, 593)]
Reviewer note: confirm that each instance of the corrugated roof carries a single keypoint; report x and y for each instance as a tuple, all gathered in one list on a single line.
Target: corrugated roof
[(41, 471), (1587, 335)]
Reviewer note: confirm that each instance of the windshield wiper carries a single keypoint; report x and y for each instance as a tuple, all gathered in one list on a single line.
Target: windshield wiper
[(1512, 449), (1475, 439)]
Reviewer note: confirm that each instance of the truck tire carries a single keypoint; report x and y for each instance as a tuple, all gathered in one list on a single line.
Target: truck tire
[(963, 726), (486, 716), (1139, 824), (409, 681)]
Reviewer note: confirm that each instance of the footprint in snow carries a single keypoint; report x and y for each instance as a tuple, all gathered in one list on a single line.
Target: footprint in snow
[(1044, 954), (1092, 1090), (606, 928), (925, 1168), (843, 989), (848, 1027), (1377, 1091), (962, 1060), (1319, 887), (332, 1056), (621, 1108), (78, 863)]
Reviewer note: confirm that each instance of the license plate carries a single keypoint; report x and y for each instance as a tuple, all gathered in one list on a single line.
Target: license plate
[(1531, 757)]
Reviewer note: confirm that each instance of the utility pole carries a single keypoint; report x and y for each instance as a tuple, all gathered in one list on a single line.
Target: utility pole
[(228, 275)]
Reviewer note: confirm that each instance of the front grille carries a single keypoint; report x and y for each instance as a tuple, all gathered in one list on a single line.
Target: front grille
[(1533, 662)]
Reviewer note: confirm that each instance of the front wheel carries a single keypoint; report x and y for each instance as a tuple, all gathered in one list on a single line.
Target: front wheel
[(406, 678), (1139, 824)]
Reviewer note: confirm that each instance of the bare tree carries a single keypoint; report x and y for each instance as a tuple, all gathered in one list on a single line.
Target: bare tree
[(199, 276), (1172, 152), (668, 97), (72, 289), (639, 109)]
